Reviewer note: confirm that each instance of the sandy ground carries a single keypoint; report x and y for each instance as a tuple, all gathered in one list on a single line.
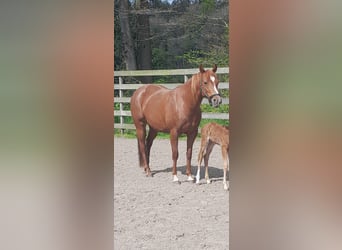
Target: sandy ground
[(155, 213)]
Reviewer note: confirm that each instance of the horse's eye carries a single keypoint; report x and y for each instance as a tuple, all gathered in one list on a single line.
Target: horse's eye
[(205, 82)]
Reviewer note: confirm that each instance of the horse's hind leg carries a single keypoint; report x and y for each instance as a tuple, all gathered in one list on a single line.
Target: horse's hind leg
[(206, 159), (141, 136), (204, 143), (149, 141)]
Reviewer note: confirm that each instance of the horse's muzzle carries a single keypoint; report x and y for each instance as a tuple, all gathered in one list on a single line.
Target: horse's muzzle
[(215, 100)]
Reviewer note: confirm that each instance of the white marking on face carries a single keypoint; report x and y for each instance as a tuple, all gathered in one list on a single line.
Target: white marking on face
[(212, 78), (216, 91)]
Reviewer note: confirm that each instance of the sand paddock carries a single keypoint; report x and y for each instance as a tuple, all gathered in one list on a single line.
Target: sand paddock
[(155, 213)]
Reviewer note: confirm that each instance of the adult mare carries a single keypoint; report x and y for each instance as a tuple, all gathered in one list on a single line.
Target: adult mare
[(175, 111)]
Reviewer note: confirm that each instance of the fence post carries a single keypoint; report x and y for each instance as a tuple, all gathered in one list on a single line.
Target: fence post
[(185, 78), (121, 106)]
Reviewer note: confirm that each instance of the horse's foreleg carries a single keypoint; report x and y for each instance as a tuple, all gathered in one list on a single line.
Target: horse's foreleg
[(206, 160), (174, 146), (225, 166), (190, 142)]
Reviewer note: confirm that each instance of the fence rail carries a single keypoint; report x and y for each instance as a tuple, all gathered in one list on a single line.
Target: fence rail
[(186, 73)]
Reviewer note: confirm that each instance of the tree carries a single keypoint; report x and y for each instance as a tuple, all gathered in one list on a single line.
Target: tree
[(144, 52), (179, 34), (128, 50)]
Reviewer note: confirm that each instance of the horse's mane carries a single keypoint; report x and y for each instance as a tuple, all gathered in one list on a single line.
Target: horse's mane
[(194, 82)]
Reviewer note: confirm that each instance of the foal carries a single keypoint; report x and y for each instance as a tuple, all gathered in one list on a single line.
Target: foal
[(213, 133)]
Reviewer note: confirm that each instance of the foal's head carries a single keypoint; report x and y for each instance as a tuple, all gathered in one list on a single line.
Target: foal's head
[(209, 85)]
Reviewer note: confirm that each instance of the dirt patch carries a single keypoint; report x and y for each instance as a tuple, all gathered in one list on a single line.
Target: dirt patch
[(155, 213)]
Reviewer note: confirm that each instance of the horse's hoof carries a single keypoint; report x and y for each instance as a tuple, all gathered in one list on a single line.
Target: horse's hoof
[(149, 174), (147, 171), (208, 181), (197, 179), (225, 187), (175, 178), (190, 178)]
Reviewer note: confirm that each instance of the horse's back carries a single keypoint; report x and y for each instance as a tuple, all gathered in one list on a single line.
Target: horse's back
[(216, 127), (145, 91), (141, 96), (215, 130), (165, 109)]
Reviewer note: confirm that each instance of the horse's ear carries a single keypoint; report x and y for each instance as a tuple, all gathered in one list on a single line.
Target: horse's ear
[(214, 68), (202, 70)]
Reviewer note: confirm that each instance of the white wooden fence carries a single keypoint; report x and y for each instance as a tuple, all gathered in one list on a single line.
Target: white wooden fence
[(186, 73)]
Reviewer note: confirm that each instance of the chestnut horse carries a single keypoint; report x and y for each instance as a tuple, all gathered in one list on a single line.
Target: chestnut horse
[(211, 134), (175, 111)]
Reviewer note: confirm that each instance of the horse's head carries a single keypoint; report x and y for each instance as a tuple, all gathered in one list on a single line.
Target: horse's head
[(209, 85)]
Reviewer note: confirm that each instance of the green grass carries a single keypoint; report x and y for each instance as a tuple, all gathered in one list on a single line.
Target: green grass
[(223, 108), (219, 121), (132, 134)]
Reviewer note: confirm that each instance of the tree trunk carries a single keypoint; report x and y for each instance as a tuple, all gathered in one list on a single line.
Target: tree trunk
[(144, 52), (127, 41)]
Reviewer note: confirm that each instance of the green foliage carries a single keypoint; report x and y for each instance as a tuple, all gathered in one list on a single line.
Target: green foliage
[(117, 106), (224, 92), (223, 108), (197, 57), (158, 58), (118, 62), (207, 6), (127, 133), (191, 33)]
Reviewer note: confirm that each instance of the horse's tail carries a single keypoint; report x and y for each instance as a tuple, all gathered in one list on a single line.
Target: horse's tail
[(138, 119)]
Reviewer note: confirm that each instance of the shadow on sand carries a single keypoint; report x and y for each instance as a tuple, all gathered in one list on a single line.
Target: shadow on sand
[(215, 174)]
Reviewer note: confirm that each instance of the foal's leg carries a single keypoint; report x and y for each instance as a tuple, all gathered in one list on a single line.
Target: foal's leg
[(174, 146), (225, 166), (189, 144), (206, 159), (149, 141), (204, 143)]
